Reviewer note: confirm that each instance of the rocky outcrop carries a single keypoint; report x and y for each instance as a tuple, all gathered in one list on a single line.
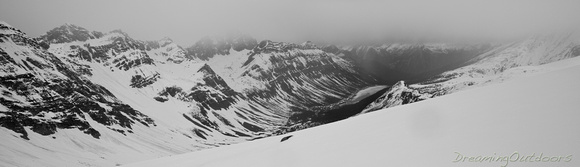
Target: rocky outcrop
[(396, 95), (213, 93), (138, 81)]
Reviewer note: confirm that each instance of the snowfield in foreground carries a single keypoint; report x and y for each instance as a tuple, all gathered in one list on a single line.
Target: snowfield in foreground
[(529, 121)]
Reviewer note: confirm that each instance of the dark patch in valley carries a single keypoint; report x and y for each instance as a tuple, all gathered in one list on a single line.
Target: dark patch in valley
[(328, 113)]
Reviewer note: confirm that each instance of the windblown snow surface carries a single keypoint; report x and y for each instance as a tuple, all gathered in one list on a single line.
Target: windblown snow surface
[(533, 120)]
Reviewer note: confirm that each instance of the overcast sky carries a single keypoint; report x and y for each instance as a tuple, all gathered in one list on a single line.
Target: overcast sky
[(186, 21)]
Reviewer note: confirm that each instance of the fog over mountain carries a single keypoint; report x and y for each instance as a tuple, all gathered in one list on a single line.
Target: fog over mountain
[(299, 20)]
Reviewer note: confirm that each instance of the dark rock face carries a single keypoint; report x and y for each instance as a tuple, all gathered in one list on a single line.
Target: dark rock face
[(160, 99), (209, 99), (138, 81), (125, 63), (171, 91), (215, 81), (331, 49), (135, 51), (92, 54), (575, 51), (267, 46), (251, 127), (5, 58), (285, 138), (69, 33), (53, 102), (10, 122), (66, 98), (213, 93), (206, 48), (243, 43)]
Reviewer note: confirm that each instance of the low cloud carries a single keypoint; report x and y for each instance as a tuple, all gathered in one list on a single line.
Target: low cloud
[(299, 20)]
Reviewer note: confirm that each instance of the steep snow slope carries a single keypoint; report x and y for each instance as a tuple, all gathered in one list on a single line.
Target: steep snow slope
[(505, 123)]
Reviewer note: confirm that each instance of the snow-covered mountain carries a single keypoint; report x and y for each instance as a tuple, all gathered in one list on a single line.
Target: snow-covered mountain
[(524, 122), (505, 62), (162, 79)]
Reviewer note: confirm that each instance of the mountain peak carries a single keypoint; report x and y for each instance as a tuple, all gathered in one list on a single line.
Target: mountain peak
[(208, 46), (69, 25), (119, 31), (4, 24), (67, 33), (399, 84), (398, 94), (6, 28), (206, 69), (166, 39)]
